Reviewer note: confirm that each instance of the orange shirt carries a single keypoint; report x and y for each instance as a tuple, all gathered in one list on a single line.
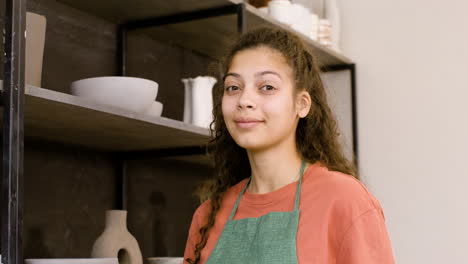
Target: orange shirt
[(340, 222)]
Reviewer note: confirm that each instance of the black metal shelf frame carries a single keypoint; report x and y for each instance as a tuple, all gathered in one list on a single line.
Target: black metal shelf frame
[(13, 102), (13, 143)]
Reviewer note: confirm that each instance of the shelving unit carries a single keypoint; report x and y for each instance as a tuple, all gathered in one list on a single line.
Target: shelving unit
[(49, 115)]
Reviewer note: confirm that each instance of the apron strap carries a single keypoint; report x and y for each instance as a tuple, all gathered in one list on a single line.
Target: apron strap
[(298, 192), (298, 188), (238, 200)]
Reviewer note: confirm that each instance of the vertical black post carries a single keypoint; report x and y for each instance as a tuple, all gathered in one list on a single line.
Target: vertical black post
[(241, 19), (122, 50), (121, 184), (13, 137), (121, 195), (352, 68)]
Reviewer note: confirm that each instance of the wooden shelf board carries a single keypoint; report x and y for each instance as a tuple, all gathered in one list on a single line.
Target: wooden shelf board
[(70, 119)]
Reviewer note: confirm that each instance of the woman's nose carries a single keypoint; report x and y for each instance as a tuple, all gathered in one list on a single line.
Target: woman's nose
[(246, 99)]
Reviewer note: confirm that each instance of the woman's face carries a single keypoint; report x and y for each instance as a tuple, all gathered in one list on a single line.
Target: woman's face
[(258, 106)]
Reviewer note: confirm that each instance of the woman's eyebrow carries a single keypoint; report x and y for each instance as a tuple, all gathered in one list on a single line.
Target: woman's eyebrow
[(231, 74), (268, 72), (236, 75)]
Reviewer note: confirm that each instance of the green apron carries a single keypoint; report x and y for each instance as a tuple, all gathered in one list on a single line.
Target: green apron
[(268, 239)]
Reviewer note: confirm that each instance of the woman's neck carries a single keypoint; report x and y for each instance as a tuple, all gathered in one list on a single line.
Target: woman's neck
[(273, 168)]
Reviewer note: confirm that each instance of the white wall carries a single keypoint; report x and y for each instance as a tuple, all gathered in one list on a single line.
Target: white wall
[(412, 81)]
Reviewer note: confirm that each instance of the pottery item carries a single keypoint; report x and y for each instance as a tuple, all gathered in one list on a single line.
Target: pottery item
[(324, 34), (166, 260), (72, 261), (300, 19), (333, 15), (116, 241), (280, 10), (314, 26), (34, 51), (198, 107), (129, 93), (155, 109), (187, 101), (35, 40)]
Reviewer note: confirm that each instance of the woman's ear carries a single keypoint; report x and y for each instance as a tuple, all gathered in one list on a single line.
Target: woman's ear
[(303, 104)]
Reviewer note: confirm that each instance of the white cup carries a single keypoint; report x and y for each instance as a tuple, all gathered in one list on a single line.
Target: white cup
[(281, 10)]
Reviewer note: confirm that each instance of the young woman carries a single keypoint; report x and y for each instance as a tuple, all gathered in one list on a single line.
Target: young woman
[(283, 191)]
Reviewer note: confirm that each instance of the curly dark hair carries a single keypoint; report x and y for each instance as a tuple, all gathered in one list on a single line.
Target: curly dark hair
[(316, 134)]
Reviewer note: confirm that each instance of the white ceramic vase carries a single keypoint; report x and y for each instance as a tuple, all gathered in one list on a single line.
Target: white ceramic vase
[(35, 40), (116, 241), (198, 102), (332, 13)]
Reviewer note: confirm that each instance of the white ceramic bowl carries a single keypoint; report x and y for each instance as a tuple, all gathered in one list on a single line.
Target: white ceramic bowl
[(155, 109), (73, 261), (166, 260), (130, 93)]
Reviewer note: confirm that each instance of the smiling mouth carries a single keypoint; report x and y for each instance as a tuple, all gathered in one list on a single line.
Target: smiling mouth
[(248, 124)]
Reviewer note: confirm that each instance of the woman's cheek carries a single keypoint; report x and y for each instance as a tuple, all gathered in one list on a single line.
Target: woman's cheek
[(227, 109), (224, 107), (274, 107)]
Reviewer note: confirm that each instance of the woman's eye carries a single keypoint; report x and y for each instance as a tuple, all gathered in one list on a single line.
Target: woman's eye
[(267, 88), (231, 88)]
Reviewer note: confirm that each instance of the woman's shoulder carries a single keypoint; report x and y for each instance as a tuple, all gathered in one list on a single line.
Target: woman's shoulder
[(341, 192)]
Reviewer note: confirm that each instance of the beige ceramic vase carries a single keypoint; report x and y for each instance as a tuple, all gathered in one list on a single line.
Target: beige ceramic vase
[(35, 40), (116, 241)]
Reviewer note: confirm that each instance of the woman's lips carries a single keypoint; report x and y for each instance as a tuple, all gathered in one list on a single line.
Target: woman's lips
[(247, 124)]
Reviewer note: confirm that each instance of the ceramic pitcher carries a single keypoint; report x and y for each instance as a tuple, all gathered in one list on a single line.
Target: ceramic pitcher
[(198, 103)]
